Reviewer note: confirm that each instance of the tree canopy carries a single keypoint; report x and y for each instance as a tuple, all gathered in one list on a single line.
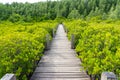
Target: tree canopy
[(63, 8)]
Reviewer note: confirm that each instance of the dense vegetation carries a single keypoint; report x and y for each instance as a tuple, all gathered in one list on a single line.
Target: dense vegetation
[(97, 44), (21, 46), (95, 24), (60, 9)]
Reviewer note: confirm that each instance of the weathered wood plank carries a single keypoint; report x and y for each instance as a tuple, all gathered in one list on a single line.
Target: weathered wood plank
[(58, 64), (60, 78), (59, 69), (60, 75), (62, 55), (69, 60), (60, 52)]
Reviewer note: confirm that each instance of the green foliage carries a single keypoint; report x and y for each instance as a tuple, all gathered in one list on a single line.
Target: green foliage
[(22, 46), (117, 11), (55, 9), (18, 53), (15, 18), (97, 44), (74, 14), (96, 40), (27, 18)]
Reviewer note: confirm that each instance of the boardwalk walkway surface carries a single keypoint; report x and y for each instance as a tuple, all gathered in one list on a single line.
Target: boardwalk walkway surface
[(60, 62)]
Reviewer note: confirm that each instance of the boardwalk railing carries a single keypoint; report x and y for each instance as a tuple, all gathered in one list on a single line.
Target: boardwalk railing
[(48, 39), (65, 29), (47, 42), (8, 77), (72, 41), (53, 33), (108, 76)]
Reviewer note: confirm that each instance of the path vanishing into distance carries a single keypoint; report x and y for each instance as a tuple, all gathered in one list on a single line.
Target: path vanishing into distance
[(60, 62)]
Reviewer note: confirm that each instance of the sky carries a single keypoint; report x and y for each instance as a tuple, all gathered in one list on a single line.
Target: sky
[(23, 1)]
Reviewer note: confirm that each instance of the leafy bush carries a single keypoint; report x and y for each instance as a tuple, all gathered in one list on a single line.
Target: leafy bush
[(97, 44), (15, 18), (21, 47)]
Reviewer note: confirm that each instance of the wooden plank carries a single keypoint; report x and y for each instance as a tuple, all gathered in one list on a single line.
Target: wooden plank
[(57, 52), (61, 55), (60, 51), (71, 60), (60, 75), (59, 69), (34, 78), (58, 64)]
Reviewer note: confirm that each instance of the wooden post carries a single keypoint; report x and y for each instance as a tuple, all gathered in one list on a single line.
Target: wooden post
[(8, 77), (53, 33), (66, 30), (63, 27), (72, 41), (57, 26), (108, 76), (92, 77), (47, 42)]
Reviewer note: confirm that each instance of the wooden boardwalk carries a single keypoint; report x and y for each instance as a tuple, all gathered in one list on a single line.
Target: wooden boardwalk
[(60, 62)]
